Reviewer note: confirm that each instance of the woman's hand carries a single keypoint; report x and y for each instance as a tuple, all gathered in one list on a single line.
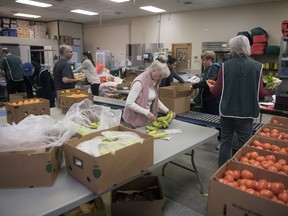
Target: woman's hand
[(151, 117)]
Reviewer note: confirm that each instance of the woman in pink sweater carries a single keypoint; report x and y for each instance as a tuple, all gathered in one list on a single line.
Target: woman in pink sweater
[(143, 101)]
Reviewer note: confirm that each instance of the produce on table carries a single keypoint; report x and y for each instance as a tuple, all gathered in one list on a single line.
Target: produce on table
[(161, 122), (271, 82)]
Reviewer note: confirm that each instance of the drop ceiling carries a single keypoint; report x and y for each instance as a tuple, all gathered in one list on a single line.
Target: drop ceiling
[(112, 11)]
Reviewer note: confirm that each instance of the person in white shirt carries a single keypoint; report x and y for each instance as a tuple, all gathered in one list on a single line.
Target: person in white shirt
[(143, 102), (89, 69)]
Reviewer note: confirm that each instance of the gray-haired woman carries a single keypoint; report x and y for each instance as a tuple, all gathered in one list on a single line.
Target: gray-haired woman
[(143, 100), (240, 84)]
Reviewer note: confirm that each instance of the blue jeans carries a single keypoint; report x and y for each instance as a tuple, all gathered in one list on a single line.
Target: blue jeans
[(243, 128)]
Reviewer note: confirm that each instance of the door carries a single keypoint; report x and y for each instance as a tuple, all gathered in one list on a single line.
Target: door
[(182, 52)]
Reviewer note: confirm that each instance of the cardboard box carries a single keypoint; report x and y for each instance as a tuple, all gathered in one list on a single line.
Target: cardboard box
[(142, 196), (103, 172), (176, 97), (68, 91), (283, 121), (226, 200), (270, 127), (17, 96), (245, 149), (67, 101), (26, 169), (130, 77), (95, 207), (16, 113)]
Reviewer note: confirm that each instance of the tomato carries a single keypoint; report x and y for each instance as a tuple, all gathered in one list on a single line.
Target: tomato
[(262, 134), (233, 184), (256, 143), (253, 155), (271, 157), (274, 130), (247, 155), (282, 161), (275, 148), (282, 151), (285, 169), (278, 166), (284, 136), (222, 180), (262, 184), (283, 197), (237, 174), (242, 187), (241, 182), (274, 135), (272, 168), (212, 82), (250, 183), (251, 191), (229, 178), (260, 158), (228, 172), (274, 121), (247, 174), (266, 146), (277, 187), (266, 193), (244, 159), (266, 130), (266, 164)]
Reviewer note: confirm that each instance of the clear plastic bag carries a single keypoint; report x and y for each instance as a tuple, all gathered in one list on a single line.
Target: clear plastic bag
[(35, 132), (85, 113)]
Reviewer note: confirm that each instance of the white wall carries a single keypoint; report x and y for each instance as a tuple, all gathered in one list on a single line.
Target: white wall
[(194, 27)]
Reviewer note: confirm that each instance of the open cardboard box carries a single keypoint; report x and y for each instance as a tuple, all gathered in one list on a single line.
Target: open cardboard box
[(26, 169), (103, 172), (69, 91), (227, 200), (149, 193), (17, 113), (282, 120), (264, 139), (270, 127), (67, 101), (176, 97)]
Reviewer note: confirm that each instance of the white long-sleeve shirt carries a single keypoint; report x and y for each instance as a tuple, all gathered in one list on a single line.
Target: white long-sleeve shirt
[(90, 71), (135, 92)]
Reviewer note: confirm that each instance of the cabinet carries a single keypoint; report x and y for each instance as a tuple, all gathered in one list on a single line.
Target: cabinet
[(283, 58)]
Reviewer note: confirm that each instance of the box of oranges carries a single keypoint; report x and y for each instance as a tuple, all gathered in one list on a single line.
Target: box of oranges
[(65, 92), (69, 99), (18, 110)]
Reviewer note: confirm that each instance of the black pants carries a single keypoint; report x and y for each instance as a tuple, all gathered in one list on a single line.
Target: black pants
[(95, 89), (15, 87)]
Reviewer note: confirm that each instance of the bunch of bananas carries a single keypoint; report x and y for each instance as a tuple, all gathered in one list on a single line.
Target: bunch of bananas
[(161, 122)]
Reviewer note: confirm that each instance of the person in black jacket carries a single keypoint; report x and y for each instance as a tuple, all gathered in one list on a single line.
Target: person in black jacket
[(40, 79), (205, 100), (171, 62)]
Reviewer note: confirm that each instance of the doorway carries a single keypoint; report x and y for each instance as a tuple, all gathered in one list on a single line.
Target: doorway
[(182, 52)]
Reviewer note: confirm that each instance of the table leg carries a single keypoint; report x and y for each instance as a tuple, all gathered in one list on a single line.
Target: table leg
[(194, 170)]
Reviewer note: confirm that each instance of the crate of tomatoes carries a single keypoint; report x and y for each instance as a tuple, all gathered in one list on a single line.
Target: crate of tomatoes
[(271, 131), (240, 189)]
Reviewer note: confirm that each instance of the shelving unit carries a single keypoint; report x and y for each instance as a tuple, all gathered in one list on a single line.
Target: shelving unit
[(270, 63)]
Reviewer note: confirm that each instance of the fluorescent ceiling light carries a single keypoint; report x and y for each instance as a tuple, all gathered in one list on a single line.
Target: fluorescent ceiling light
[(26, 15), (119, 1), (34, 3), (152, 9), (84, 12)]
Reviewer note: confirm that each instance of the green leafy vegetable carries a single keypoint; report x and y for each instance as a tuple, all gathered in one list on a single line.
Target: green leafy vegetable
[(271, 82)]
